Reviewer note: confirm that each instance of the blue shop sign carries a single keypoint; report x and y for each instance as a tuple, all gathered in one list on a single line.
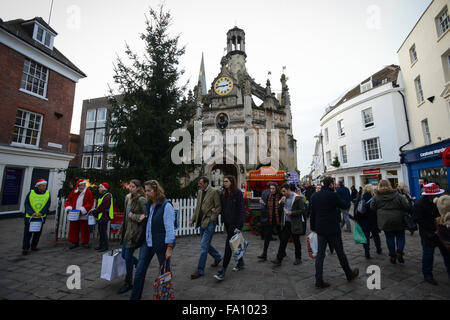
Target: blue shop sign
[(427, 153)]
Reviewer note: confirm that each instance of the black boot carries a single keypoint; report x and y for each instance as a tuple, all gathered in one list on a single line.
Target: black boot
[(126, 286)]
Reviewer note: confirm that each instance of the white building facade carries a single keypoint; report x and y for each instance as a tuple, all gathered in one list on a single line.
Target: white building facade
[(365, 131)]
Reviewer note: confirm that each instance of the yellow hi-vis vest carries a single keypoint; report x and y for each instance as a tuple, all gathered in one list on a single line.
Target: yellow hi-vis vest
[(111, 210), (38, 202)]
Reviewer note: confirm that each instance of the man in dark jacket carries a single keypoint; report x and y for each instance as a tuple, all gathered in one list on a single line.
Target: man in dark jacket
[(425, 213), (345, 195), (325, 219)]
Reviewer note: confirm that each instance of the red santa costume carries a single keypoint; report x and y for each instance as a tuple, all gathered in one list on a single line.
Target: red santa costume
[(84, 202)]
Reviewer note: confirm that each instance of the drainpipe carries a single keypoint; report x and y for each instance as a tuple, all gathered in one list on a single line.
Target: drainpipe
[(407, 122)]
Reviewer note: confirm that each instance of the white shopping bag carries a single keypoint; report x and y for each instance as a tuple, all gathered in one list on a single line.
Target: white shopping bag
[(313, 245), (74, 215), (35, 226), (113, 265), (238, 245)]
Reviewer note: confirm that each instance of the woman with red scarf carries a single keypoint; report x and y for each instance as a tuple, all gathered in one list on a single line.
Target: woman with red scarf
[(81, 198)]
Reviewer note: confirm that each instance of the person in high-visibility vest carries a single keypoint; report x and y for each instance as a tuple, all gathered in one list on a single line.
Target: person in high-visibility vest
[(103, 213), (37, 204)]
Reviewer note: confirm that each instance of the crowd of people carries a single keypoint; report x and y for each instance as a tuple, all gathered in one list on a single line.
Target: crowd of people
[(149, 223)]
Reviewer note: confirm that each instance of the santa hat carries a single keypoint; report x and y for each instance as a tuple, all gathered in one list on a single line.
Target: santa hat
[(39, 182), (80, 181), (432, 189), (105, 185)]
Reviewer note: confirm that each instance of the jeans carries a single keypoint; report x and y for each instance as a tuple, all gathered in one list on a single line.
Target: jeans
[(346, 220), (206, 235), (428, 258), (145, 257), (130, 259), (103, 233), (30, 236), (376, 239), (285, 235), (394, 238), (336, 242), (228, 251)]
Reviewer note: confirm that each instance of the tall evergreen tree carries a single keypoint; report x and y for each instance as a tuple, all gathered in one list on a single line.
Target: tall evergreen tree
[(151, 107)]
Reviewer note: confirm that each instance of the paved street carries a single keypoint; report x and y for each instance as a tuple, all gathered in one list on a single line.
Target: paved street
[(42, 275)]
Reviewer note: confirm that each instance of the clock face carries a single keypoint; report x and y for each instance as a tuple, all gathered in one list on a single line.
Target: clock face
[(223, 86)]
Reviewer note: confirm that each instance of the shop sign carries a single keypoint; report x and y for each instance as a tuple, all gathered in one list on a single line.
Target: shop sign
[(372, 171)]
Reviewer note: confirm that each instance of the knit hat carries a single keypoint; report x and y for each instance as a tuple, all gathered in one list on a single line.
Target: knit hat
[(432, 189), (39, 182), (105, 185)]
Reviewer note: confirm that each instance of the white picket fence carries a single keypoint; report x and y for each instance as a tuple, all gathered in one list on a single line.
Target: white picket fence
[(186, 209)]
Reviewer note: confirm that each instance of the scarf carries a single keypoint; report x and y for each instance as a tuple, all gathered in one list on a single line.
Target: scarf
[(273, 209)]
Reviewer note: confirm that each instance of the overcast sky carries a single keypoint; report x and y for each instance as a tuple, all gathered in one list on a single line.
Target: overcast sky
[(327, 46)]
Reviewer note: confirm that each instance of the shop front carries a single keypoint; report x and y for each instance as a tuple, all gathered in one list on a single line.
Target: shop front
[(427, 162)]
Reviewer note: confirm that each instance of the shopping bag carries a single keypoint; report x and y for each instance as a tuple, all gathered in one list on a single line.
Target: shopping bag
[(358, 235), (35, 226), (163, 285), (313, 245), (91, 220), (238, 245), (74, 215), (113, 265)]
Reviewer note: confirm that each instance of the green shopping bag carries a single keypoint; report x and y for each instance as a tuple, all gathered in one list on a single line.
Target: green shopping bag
[(358, 235)]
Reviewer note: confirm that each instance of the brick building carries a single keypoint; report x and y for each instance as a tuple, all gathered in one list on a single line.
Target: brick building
[(37, 89)]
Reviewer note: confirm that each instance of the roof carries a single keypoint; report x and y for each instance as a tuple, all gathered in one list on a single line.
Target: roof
[(390, 73), (22, 29)]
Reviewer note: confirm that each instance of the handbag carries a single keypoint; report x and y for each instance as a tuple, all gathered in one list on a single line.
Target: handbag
[(409, 223), (358, 235), (163, 285), (139, 236)]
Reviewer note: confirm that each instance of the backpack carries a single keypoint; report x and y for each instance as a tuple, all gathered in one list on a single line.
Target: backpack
[(362, 208)]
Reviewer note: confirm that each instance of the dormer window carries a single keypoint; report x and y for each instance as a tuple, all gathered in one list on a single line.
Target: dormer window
[(43, 35)]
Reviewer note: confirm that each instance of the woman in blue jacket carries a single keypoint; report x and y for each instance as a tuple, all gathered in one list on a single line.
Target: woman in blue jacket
[(159, 234)]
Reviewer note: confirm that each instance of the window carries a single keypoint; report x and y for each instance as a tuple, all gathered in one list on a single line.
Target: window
[(366, 86), (328, 158), (34, 78), (97, 162), (87, 162), (344, 154), (372, 149), (99, 137), (341, 130), (89, 138), (413, 54), (27, 129), (367, 118), (90, 119), (443, 21), (326, 135), (384, 81), (419, 90), (43, 36), (426, 132), (101, 117), (109, 161)]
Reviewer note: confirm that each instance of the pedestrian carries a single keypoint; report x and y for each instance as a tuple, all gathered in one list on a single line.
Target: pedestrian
[(206, 217), (354, 193), (264, 218), (325, 221), (159, 234), (404, 190), (360, 191), (391, 208), (303, 198), (425, 214), (368, 220), (271, 212), (233, 213), (103, 213), (37, 204), (130, 230), (344, 194), (292, 217), (81, 198)]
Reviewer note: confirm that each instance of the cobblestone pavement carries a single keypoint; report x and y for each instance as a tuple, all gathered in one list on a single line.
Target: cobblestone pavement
[(42, 275)]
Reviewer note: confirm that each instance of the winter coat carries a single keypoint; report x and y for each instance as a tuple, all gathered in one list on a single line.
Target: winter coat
[(391, 207), (298, 213), (233, 210), (425, 213), (88, 202), (130, 226), (345, 195), (325, 214), (368, 220), (212, 200), (265, 208)]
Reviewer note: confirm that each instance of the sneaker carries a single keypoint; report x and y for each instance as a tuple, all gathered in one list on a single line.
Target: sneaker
[(238, 268), (431, 281), (220, 276)]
